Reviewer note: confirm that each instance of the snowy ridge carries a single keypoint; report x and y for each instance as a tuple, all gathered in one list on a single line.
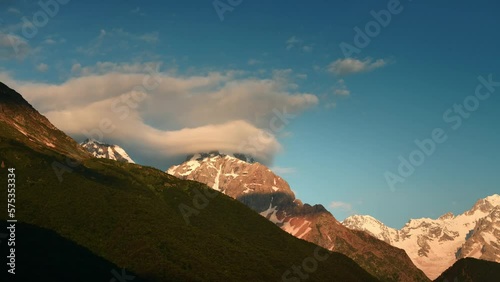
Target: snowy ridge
[(372, 226), (106, 151), (435, 244), (213, 154)]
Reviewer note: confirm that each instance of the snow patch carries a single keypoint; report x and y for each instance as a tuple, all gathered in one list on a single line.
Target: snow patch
[(295, 229), (111, 154), (171, 170), (270, 214), (190, 167), (123, 154), (216, 180), (232, 174)]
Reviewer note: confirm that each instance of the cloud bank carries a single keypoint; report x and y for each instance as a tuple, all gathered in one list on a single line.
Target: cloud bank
[(158, 116)]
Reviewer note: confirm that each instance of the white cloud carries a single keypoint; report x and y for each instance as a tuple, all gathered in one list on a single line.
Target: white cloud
[(151, 37), (351, 66), (342, 206), (342, 92), (302, 75), (292, 42), (109, 67), (13, 46), (107, 40), (295, 42), (49, 41), (53, 39), (76, 68), (331, 105), (181, 115), (341, 89), (307, 48), (253, 62), (137, 11), (283, 170), (14, 11), (42, 67), (102, 33)]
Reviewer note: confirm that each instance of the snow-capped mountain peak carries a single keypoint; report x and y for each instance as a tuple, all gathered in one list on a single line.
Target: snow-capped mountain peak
[(493, 199), (448, 215), (220, 170), (435, 244), (107, 151), (372, 226), (485, 205)]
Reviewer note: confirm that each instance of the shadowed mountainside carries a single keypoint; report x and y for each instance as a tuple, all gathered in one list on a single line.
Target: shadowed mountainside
[(43, 255), (471, 270)]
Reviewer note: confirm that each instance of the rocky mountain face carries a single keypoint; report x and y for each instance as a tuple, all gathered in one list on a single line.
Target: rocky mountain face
[(270, 195), (23, 122), (106, 151), (436, 244)]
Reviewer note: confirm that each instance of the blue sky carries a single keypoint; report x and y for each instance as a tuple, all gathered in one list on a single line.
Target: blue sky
[(223, 78)]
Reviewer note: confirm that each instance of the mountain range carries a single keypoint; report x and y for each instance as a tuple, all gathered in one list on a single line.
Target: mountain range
[(107, 215), (435, 244), (432, 245), (256, 186)]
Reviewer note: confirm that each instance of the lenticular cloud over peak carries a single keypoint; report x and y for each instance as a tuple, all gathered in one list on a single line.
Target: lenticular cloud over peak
[(171, 115)]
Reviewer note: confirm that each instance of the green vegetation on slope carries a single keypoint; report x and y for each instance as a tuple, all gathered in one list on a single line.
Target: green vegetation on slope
[(471, 270), (43, 253), (128, 215)]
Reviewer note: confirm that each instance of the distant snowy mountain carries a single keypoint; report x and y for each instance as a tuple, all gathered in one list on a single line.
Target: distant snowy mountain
[(256, 186), (436, 244), (106, 151)]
